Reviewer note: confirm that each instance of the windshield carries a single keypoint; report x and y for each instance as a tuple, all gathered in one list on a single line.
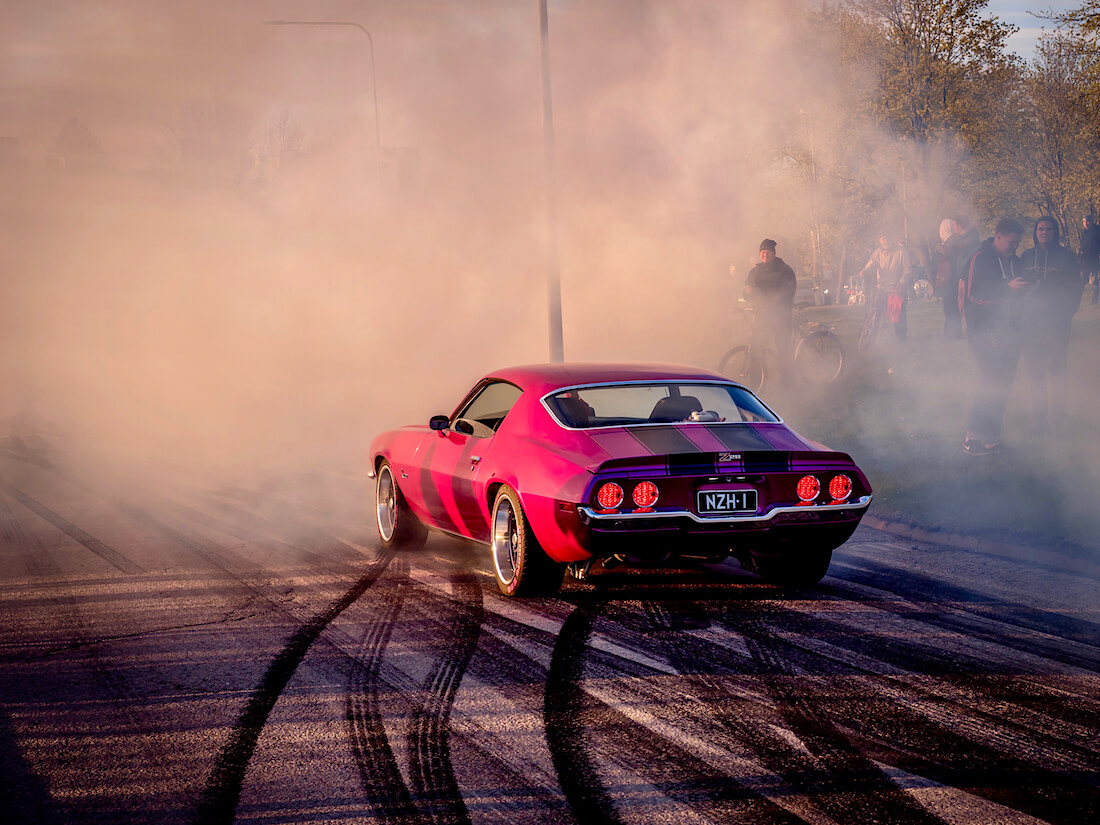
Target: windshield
[(617, 405)]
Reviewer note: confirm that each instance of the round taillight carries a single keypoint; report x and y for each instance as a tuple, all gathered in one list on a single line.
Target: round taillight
[(645, 494), (840, 488), (807, 488), (610, 496)]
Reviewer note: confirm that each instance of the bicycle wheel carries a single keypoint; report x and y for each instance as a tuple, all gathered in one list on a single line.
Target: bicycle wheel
[(744, 367), (819, 357), (870, 329)]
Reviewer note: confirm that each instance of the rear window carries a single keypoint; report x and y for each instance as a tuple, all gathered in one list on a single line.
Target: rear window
[(618, 405)]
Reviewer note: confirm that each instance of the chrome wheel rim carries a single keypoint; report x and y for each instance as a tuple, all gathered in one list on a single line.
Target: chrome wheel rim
[(505, 541), (386, 504)]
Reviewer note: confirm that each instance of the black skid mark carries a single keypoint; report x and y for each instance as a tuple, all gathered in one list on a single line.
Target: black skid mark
[(223, 787), (840, 778), (383, 784), (431, 772), (564, 710), (580, 726), (108, 554)]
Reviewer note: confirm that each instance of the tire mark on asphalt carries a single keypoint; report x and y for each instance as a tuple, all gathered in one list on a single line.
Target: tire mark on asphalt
[(70, 621), (926, 589), (962, 673), (564, 712), (383, 785), (247, 533), (26, 798), (819, 764), (581, 728), (431, 771), (223, 787), (842, 780), (901, 735), (108, 554), (378, 692)]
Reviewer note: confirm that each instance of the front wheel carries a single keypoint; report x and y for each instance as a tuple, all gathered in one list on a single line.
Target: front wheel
[(819, 357), (744, 367), (521, 565), (870, 329), (398, 528)]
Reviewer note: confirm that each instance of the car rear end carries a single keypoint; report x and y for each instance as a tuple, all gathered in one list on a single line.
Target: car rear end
[(712, 505)]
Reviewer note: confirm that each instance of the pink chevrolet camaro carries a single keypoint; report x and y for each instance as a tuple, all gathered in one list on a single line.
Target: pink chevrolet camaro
[(558, 466)]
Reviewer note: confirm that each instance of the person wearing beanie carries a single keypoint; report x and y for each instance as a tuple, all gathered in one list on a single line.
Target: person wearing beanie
[(770, 288)]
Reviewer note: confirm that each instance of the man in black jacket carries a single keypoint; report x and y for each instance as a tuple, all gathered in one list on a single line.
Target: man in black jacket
[(1052, 303), (770, 288), (994, 318)]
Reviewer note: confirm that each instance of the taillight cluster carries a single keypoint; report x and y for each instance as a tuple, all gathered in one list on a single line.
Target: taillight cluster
[(808, 489), (610, 496)]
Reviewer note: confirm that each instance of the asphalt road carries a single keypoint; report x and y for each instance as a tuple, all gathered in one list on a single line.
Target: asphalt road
[(247, 654)]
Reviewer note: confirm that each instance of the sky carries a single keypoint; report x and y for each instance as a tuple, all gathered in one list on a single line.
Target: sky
[(1016, 12)]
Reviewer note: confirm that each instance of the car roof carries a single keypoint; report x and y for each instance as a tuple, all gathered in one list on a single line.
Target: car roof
[(544, 378)]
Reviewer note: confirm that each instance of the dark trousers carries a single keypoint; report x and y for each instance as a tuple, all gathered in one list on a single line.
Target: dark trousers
[(997, 359), (952, 318), (1044, 362), (776, 328)]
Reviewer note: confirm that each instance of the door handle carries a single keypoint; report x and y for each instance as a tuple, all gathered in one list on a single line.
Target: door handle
[(474, 461)]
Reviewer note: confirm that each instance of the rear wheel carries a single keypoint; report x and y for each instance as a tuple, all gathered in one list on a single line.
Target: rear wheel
[(398, 528), (870, 329), (803, 569), (819, 357), (744, 367), (521, 565)]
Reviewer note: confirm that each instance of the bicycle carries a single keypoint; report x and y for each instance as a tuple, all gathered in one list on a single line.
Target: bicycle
[(818, 355), (870, 328)]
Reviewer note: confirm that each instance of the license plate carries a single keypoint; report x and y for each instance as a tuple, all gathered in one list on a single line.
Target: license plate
[(711, 502)]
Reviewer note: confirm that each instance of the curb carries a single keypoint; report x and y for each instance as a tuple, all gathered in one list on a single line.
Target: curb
[(1006, 550)]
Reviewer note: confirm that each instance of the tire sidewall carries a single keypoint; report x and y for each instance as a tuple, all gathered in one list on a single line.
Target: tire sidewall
[(391, 541), (509, 588)]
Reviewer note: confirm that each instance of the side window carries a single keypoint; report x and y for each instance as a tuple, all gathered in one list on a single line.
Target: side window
[(483, 413)]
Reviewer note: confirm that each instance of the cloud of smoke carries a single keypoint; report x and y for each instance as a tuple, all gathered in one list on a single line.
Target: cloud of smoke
[(240, 283)]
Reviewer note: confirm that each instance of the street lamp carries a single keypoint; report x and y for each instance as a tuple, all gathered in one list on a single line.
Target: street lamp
[(553, 275), (373, 74)]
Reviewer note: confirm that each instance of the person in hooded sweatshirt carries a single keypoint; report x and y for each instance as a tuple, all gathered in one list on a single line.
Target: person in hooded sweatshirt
[(1051, 304), (993, 312)]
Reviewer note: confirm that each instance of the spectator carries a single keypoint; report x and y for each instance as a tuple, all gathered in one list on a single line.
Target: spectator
[(992, 311), (770, 287), (1056, 294), (958, 248), (1090, 254), (941, 261), (887, 278)]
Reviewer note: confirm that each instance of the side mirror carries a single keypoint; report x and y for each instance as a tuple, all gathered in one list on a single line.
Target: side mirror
[(439, 422)]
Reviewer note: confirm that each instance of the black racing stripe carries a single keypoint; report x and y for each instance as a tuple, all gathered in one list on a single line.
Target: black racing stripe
[(664, 440), (739, 437)]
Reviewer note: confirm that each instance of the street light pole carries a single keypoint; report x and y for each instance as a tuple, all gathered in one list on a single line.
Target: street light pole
[(373, 74), (553, 274)]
